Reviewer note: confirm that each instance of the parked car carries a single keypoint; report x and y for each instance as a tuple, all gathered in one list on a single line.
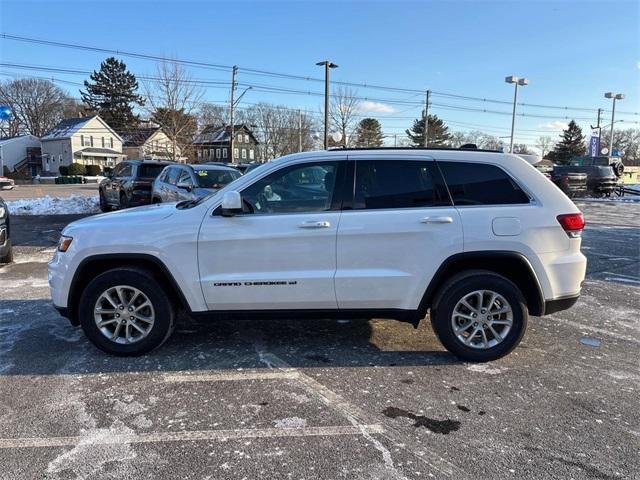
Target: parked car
[(6, 183), (129, 184), (479, 239), (601, 179), (573, 184), (6, 252), (187, 182), (246, 167)]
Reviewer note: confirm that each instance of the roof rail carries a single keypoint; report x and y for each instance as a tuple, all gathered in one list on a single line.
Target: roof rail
[(467, 146)]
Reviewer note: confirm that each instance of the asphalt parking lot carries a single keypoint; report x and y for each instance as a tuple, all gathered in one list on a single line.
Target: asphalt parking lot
[(326, 399)]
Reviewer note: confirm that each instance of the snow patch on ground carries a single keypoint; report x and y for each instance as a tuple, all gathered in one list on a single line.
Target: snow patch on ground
[(484, 368), (54, 205), (291, 422)]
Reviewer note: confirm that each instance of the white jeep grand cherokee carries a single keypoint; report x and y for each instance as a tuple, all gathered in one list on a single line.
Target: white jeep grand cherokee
[(480, 239)]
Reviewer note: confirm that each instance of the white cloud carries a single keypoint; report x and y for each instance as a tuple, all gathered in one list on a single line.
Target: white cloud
[(556, 126), (368, 106)]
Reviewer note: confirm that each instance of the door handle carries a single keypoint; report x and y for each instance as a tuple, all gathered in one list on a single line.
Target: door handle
[(314, 224), (436, 220)]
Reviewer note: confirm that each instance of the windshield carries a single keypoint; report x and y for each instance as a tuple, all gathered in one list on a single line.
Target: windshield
[(215, 178)]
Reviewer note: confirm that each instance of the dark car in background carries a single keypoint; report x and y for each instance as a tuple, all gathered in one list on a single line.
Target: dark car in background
[(180, 182), (573, 184), (130, 184), (601, 180), (6, 253)]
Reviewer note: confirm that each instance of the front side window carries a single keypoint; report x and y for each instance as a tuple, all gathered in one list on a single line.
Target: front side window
[(396, 184), (481, 184), (185, 178), (213, 178), (300, 188)]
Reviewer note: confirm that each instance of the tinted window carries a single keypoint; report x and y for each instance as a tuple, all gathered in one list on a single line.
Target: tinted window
[(210, 178), (395, 184), (299, 188), (123, 170), (149, 171), (172, 175), (185, 177), (480, 184)]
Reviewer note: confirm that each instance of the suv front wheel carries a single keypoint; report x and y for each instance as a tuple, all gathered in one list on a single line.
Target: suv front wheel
[(479, 316), (126, 312)]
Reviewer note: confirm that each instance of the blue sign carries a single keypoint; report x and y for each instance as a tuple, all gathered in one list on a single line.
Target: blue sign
[(5, 112), (594, 143), (615, 153)]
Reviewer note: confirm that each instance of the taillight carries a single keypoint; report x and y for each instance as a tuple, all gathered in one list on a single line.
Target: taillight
[(572, 223)]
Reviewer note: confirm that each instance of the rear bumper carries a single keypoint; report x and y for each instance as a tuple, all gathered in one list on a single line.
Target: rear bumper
[(559, 304)]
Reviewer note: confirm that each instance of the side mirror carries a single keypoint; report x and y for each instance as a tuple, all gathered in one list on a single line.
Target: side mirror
[(231, 204), (185, 186)]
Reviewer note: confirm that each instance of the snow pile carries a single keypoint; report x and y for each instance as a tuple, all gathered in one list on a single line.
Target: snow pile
[(54, 205)]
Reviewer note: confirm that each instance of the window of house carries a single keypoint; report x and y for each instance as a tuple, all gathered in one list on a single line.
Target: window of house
[(251, 154), (224, 153), (235, 153), (298, 188), (246, 138), (240, 138), (244, 153), (217, 153), (110, 142), (481, 184), (91, 140), (103, 144), (396, 184), (82, 140), (199, 154), (60, 158)]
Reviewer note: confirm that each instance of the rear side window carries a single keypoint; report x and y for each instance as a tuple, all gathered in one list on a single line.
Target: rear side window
[(480, 184), (149, 171), (396, 184)]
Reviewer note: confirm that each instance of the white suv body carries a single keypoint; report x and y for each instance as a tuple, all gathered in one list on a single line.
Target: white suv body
[(359, 233)]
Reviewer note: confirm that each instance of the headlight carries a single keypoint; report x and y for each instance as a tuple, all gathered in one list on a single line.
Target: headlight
[(64, 243), (3, 211)]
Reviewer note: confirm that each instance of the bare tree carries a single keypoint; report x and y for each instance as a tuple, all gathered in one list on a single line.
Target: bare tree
[(173, 100), (343, 111), (37, 105), (627, 142), (545, 144), (212, 114)]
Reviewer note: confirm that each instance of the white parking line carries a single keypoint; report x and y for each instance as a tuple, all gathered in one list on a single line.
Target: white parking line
[(231, 377), (188, 436)]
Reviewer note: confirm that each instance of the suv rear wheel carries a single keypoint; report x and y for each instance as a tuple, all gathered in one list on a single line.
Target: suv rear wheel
[(479, 316), (104, 206), (126, 312)]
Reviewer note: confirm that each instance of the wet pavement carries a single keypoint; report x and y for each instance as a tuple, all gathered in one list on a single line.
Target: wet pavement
[(325, 399)]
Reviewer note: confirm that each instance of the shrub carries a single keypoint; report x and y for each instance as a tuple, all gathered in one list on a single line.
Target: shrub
[(76, 169), (93, 170), (64, 170)]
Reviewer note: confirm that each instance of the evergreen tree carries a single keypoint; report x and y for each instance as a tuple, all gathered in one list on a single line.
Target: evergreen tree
[(369, 133), (572, 144), (439, 135), (111, 93)]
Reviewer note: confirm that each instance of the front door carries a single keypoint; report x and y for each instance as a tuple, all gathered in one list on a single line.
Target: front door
[(281, 252), (400, 229)]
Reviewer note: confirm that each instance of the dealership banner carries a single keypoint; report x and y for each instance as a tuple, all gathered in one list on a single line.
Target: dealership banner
[(594, 142)]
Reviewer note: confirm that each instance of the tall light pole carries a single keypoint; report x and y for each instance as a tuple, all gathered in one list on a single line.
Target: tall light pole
[(614, 96), (517, 81), (327, 65)]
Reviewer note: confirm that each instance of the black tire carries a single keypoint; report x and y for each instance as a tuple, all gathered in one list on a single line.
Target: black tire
[(8, 257), (454, 290), (156, 200), (146, 283), (104, 206), (124, 200)]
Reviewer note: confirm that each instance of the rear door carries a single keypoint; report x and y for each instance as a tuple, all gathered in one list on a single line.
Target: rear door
[(400, 229)]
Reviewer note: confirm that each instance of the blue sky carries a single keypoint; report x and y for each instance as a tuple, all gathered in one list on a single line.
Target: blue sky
[(571, 51)]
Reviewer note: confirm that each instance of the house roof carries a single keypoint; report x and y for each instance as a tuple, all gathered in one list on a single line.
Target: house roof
[(138, 137), (99, 151), (221, 134), (70, 126), (5, 140)]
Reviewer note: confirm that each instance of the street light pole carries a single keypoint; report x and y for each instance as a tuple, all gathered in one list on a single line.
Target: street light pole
[(614, 96), (517, 81), (327, 65), (234, 72)]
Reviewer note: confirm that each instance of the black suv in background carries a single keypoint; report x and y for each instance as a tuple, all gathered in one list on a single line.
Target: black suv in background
[(129, 185), (6, 255)]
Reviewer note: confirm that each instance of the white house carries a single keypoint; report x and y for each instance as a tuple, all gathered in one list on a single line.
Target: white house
[(86, 140), (16, 151), (149, 143)]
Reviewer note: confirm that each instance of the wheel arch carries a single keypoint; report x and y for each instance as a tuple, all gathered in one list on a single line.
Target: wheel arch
[(511, 265), (94, 265)]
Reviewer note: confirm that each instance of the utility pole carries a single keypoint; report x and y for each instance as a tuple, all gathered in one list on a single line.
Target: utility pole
[(234, 72), (426, 119), (599, 111), (517, 82), (299, 130), (327, 65), (614, 96)]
